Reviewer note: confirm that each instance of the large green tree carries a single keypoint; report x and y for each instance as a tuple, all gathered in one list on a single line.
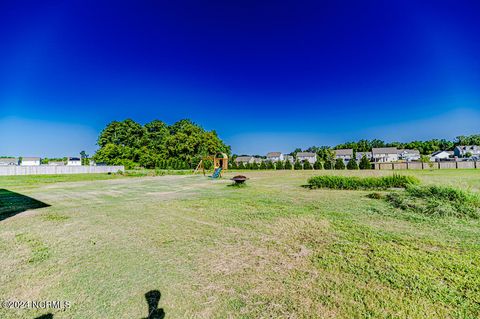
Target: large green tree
[(129, 143)]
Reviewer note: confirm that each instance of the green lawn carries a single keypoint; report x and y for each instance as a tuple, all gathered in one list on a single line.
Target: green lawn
[(272, 249)]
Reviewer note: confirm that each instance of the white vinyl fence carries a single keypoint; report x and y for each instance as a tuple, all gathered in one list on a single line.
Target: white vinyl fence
[(52, 170)]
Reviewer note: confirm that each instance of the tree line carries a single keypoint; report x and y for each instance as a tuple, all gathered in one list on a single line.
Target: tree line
[(305, 165), (156, 144)]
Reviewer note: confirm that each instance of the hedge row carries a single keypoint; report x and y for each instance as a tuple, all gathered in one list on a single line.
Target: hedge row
[(353, 182)]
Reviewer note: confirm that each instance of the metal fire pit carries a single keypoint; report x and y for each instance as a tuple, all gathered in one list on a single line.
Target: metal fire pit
[(239, 179)]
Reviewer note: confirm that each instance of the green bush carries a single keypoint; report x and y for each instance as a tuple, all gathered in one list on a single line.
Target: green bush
[(262, 165), (279, 165), (352, 164), (288, 165), (307, 165), (317, 165), (297, 166), (241, 165), (353, 182), (339, 164), (437, 201), (365, 163), (328, 165), (254, 165), (270, 165)]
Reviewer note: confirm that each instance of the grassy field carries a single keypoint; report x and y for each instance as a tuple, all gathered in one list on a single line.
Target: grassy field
[(272, 249)]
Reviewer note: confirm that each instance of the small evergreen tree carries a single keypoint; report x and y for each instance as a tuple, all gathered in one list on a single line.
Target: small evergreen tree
[(254, 165), (297, 165), (307, 165), (352, 164), (279, 165), (288, 165), (270, 165), (317, 165), (328, 165), (339, 164), (263, 165), (241, 165), (365, 163)]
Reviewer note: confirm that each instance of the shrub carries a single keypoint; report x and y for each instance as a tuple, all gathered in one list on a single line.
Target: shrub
[(317, 165), (279, 165), (339, 164), (234, 164), (365, 163), (352, 164), (254, 165), (288, 165), (307, 165), (270, 165), (353, 182), (437, 201), (328, 165), (262, 165), (297, 165)]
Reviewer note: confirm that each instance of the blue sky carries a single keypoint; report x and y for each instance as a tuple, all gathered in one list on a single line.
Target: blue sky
[(266, 75)]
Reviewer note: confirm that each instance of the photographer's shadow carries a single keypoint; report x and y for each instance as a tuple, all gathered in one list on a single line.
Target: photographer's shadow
[(153, 298)]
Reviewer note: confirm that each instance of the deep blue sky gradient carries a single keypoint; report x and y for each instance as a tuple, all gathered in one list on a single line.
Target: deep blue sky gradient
[(267, 75)]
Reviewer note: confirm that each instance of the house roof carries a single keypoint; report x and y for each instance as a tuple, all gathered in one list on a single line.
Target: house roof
[(360, 154), (8, 160), (344, 152), (409, 151), (274, 154), (27, 158), (74, 159), (384, 150), (306, 154), (467, 147), (243, 158)]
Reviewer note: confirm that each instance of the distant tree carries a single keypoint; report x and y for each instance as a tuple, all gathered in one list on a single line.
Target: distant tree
[(339, 164), (297, 165), (241, 165), (254, 165), (468, 154), (424, 158), (307, 165), (352, 164), (263, 165), (288, 165), (317, 165), (365, 163), (270, 165)]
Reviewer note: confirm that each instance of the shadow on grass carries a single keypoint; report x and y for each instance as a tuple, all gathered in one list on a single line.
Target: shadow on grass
[(153, 298), (46, 316), (12, 203)]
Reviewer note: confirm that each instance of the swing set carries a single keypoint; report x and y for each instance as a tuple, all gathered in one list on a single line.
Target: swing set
[(220, 164)]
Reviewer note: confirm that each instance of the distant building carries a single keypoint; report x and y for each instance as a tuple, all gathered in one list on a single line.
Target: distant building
[(8, 161), (30, 161), (275, 157), (289, 158), (385, 154), (409, 155), (440, 156), (257, 160), (307, 156), (244, 159), (56, 163), (344, 154), (74, 161), (463, 150), (359, 155)]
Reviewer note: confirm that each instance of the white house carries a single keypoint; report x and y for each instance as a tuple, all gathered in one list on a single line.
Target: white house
[(464, 150), (385, 154), (56, 163), (74, 161), (245, 160), (409, 155), (30, 161), (8, 161), (289, 158), (440, 156), (275, 156), (359, 155), (344, 154), (307, 156)]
